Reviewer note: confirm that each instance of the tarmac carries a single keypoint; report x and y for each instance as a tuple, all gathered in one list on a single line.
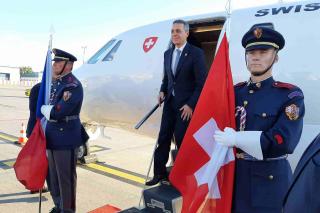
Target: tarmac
[(117, 178)]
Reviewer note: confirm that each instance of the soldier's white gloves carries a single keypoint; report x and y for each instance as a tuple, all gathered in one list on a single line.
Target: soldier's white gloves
[(248, 141), (46, 110)]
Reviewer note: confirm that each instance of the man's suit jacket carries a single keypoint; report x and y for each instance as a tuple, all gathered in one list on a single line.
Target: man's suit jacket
[(190, 75), (303, 194)]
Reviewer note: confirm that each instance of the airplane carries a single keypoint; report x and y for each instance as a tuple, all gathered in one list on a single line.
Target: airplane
[(122, 80)]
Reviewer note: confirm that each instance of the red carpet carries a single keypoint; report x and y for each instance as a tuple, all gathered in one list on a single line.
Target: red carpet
[(106, 209)]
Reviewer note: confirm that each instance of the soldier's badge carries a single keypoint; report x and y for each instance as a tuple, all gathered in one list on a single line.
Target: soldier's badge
[(67, 95), (257, 33), (292, 112)]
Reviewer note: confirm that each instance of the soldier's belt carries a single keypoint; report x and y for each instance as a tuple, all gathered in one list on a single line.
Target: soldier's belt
[(66, 119), (245, 156)]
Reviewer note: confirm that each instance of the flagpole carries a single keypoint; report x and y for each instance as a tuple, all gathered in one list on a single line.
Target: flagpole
[(228, 21), (48, 87), (48, 63), (51, 37), (40, 195), (148, 173)]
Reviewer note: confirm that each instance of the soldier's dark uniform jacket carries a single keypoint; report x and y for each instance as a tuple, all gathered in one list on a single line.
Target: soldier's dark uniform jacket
[(276, 109), (64, 129)]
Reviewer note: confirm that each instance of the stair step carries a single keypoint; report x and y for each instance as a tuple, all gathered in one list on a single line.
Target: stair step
[(133, 210), (163, 198)]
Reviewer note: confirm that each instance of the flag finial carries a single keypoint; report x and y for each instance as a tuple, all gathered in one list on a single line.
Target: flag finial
[(52, 31)]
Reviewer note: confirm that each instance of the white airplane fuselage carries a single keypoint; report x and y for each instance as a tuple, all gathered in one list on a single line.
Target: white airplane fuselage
[(121, 82)]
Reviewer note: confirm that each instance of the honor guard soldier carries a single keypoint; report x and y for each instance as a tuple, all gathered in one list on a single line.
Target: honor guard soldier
[(269, 120), (64, 131)]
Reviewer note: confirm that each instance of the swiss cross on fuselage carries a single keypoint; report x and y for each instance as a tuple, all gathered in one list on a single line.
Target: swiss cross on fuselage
[(149, 43)]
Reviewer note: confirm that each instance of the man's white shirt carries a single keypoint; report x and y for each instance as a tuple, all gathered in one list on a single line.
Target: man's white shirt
[(174, 55)]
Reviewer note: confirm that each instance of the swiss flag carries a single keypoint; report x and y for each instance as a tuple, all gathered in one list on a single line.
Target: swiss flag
[(204, 170)]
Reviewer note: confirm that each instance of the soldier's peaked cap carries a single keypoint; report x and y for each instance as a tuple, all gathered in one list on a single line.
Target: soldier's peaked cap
[(259, 37), (60, 55)]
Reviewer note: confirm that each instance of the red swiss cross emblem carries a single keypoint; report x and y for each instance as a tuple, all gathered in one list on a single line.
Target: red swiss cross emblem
[(149, 43)]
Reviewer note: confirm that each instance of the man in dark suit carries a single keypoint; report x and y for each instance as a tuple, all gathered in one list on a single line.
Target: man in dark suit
[(64, 132), (303, 194), (184, 75), (33, 98)]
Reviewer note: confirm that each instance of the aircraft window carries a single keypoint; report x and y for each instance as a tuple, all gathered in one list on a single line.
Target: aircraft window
[(110, 55), (96, 57)]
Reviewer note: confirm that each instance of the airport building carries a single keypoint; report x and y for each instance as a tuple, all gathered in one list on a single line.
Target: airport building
[(33, 77), (9, 74)]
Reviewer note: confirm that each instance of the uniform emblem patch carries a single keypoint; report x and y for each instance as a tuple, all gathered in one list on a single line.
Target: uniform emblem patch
[(70, 79), (295, 94), (67, 95), (58, 107), (257, 33), (292, 112)]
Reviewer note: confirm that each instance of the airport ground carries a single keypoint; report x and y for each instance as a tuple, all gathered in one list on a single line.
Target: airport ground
[(117, 178)]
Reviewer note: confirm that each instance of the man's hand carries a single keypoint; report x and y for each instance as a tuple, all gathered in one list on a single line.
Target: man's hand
[(160, 98), (247, 141), (226, 138), (186, 112)]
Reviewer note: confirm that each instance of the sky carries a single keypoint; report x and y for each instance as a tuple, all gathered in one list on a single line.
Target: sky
[(25, 25)]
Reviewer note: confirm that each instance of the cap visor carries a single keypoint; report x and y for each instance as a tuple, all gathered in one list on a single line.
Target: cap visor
[(58, 59), (259, 47)]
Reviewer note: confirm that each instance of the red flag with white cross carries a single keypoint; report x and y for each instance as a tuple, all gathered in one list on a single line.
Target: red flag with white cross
[(204, 170)]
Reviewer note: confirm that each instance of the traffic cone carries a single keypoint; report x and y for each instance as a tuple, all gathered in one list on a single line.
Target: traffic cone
[(23, 137)]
